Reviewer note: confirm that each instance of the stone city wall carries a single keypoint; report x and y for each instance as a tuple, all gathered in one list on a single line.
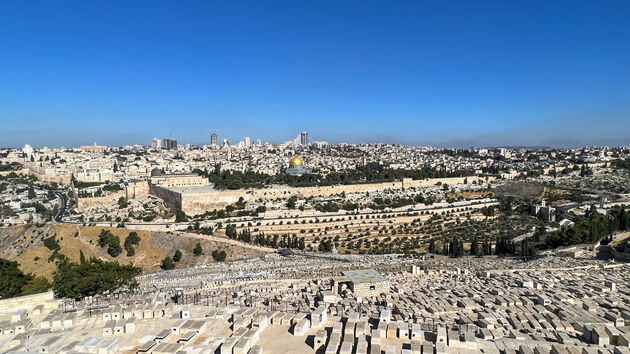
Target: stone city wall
[(199, 203), (41, 175), (137, 189), (23, 171), (28, 302), (179, 180), (84, 203), (172, 199)]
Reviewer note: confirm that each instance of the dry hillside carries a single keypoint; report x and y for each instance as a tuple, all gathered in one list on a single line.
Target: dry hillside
[(25, 245)]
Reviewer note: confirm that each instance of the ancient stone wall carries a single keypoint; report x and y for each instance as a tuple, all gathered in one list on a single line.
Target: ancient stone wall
[(83, 203), (179, 180), (23, 171), (198, 203), (171, 198), (137, 189), (41, 175)]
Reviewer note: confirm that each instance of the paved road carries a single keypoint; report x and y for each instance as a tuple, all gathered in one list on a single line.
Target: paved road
[(63, 206)]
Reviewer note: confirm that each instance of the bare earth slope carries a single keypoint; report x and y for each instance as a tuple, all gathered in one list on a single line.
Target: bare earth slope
[(25, 245)]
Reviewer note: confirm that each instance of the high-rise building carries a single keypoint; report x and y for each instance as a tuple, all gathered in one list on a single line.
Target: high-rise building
[(248, 141), (214, 139), (27, 150), (169, 144), (303, 138), (156, 143)]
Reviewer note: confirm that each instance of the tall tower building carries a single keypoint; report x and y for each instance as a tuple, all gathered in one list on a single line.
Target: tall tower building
[(248, 141), (169, 144), (214, 139), (156, 143), (303, 138)]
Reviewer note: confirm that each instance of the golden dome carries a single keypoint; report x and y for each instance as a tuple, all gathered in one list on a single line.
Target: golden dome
[(296, 161)]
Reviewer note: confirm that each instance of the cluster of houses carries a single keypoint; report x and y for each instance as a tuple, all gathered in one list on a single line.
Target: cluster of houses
[(22, 202)]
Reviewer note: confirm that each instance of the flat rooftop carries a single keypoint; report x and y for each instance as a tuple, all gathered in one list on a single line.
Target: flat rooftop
[(208, 188), (364, 276)]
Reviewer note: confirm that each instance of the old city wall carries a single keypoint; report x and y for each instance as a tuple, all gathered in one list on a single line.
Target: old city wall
[(83, 203), (137, 189), (199, 203), (171, 198), (24, 171), (41, 175), (324, 191)]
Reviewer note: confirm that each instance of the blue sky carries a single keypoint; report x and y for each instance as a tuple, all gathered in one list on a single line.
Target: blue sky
[(421, 72)]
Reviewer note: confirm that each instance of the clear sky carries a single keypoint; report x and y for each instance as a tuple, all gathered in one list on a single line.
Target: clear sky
[(437, 72)]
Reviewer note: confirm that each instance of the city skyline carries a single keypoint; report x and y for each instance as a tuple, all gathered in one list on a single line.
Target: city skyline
[(483, 74), (234, 139)]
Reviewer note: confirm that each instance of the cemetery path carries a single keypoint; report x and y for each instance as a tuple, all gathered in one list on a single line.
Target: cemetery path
[(227, 240)]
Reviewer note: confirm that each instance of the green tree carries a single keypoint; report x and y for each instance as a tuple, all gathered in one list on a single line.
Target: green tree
[(12, 279), (81, 257), (527, 250), (113, 247), (177, 256), (104, 237), (474, 247), (291, 202), (31, 192), (325, 246), (51, 244), (197, 251), (230, 231), (432, 247), (167, 264), (131, 240), (180, 216), (77, 281), (36, 285), (122, 203), (218, 256)]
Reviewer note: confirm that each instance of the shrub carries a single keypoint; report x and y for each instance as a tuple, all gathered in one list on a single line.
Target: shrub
[(131, 240), (114, 248), (218, 256), (198, 250), (52, 244), (177, 256), (167, 264)]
